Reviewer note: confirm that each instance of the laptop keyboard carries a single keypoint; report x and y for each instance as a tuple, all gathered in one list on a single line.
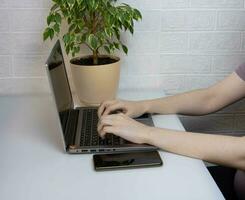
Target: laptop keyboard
[(89, 134)]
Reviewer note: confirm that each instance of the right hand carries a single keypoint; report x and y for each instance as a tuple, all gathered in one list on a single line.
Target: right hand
[(130, 108)]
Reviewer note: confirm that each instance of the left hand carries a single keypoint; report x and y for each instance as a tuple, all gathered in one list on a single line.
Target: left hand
[(125, 127)]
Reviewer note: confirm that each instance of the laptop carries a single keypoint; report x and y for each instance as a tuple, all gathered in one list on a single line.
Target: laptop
[(79, 124)]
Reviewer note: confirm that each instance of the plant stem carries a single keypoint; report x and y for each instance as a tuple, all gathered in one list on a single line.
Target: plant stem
[(95, 57), (95, 52)]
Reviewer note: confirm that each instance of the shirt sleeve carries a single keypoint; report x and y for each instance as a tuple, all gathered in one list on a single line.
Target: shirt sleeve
[(240, 71)]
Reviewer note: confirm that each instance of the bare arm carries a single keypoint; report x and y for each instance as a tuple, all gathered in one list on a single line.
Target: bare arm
[(199, 102), (224, 150), (219, 149)]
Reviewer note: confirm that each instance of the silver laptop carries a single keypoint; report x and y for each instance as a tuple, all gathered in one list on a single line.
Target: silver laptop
[(79, 125)]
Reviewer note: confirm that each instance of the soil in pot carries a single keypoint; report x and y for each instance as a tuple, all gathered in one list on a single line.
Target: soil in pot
[(89, 61)]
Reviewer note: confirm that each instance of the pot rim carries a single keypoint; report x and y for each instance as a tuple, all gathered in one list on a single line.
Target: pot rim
[(117, 59)]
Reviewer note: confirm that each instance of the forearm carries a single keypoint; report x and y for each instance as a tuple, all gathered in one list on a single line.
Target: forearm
[(224, 150), (189, 103), (202, 101)]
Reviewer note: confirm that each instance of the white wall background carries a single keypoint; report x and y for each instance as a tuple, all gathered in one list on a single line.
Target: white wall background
[(180, 45)]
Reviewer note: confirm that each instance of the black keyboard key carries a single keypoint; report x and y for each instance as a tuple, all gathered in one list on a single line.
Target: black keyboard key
[(102, 141), (116, 140), (83, 130), (95, 139), (89, 136)]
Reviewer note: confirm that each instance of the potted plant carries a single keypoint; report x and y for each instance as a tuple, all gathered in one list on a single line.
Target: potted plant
[(98, 25)]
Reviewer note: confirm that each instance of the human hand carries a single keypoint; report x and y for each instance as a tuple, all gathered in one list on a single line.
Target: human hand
[(129, 108), (125, 127)]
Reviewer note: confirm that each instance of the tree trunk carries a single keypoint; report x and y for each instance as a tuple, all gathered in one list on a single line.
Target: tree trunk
[(95, 57)]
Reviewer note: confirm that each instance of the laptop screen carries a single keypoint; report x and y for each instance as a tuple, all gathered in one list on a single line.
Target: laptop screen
[(60, 84)]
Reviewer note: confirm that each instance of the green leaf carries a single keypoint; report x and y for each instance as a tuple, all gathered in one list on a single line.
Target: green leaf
[(71, 1), (83, 38), (116, 45), (137, 15), (125, 49), (116, 31), (72, 27), (46, 34), (51, 33), (58, 18), (108, 32), (69, 19), (125, 4), (131, 29), (112, 47), (66, 38), (50, 18), (92, 41), (77, 49), (56, 28), (93, 4), (80, 2), (67, 47), (96, 4), (80, 25), (107, 49), (54, 7)]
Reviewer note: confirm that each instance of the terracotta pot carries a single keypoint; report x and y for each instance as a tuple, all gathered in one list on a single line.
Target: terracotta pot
[(96, 83)]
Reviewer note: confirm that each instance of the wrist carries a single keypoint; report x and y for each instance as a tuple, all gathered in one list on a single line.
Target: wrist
[(148, 138), (145, 106)]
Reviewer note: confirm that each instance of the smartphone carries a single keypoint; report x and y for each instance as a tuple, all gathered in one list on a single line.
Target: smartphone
[(126, 160)]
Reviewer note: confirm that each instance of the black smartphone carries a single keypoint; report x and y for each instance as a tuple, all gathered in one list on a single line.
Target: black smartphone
[(126, 160)]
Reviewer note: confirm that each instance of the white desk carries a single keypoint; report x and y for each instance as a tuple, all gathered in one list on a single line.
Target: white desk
[(34, 166)]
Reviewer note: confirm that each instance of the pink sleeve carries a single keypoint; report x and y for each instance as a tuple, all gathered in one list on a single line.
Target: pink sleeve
[(240, 71)]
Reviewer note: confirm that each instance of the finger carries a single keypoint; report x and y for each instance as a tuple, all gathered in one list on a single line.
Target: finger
[(108, 120), (109, 129), (99, 127), (105, 129), (103, 107), (102, 133), (111, 108)]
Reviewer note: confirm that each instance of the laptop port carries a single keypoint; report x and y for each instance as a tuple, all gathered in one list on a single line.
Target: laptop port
[(92, 150), (101, 150), (84, 150)]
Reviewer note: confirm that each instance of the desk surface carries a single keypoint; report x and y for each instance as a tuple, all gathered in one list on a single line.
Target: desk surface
[(34, 165)]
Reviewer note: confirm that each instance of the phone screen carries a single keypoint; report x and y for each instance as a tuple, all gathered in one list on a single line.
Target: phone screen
[(126, 160)]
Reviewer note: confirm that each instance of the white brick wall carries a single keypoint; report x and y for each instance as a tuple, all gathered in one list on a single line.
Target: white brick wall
[(173, 42), (179, 45), (188, 20), (175, 4), (216, 3)]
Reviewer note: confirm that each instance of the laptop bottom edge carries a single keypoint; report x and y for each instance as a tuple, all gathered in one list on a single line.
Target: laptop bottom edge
[(100, 149)]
